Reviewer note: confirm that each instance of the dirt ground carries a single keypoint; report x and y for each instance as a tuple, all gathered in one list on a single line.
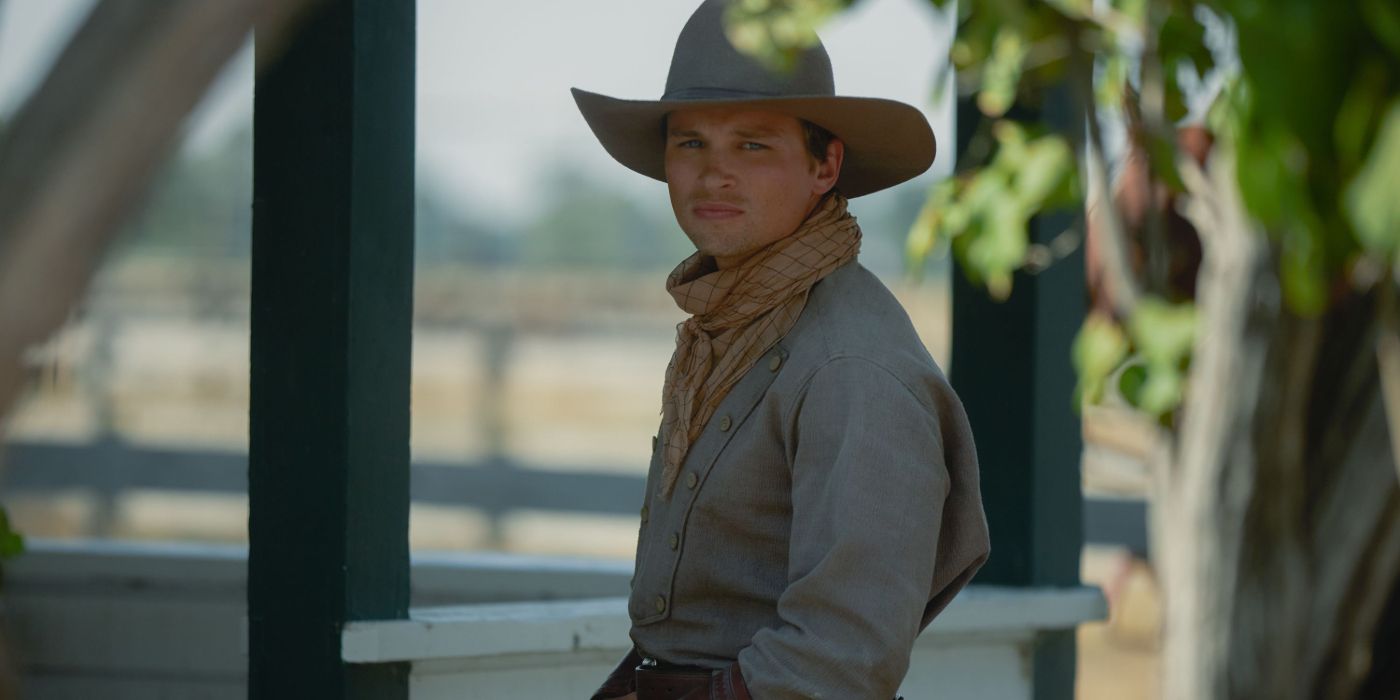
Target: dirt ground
[(1118, 658)]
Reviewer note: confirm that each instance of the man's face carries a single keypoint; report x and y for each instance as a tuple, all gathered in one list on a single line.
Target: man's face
[(741, 179)]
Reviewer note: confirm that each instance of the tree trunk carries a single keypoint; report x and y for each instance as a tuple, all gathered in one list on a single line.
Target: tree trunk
[(1277, 514)]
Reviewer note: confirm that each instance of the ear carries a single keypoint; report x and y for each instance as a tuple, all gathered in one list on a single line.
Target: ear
[(829, 169)]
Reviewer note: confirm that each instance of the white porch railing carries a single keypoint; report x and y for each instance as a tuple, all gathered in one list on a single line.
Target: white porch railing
[(117, 621), (975, 649)]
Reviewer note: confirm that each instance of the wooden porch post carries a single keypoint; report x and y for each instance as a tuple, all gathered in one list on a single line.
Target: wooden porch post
[(1011, 367), (332, 309)]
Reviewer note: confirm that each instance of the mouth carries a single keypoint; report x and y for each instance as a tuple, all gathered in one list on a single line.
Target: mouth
[(715, 210)]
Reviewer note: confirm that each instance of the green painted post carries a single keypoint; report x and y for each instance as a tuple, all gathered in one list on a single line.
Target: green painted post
[(332, 308), (1011, 367)]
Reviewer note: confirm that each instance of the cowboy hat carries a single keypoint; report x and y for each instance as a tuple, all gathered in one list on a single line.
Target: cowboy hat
[(887, 142)]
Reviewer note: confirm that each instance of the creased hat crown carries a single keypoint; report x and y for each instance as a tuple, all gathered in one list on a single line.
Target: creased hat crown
[(706, 65)]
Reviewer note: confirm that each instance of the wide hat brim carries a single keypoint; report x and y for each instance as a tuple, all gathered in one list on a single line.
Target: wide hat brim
[(886, 142)]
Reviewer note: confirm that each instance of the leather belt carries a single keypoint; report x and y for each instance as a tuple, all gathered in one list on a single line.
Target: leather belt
[(653, 684), (659, 680)]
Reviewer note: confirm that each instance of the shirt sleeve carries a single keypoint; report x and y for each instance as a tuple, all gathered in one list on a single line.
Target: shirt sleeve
[(869, 483)]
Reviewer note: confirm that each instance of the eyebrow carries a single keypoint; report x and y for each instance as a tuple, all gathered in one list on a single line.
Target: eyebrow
[(747, 133)]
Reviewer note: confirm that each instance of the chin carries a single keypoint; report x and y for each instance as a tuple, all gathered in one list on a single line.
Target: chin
[(711, 245)]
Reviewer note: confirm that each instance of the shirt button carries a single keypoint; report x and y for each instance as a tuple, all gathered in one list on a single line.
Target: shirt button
[(692, 480), (645, 513), (675, 540), (661, 603), (725, 423), (775, 363)]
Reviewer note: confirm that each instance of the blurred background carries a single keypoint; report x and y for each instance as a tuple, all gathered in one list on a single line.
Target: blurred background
[(542, 327)]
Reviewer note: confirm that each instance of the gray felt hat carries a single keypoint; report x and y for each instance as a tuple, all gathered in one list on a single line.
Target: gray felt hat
[(887, 142)]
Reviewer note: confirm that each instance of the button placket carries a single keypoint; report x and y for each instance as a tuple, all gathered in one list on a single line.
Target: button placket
[(656, 586)]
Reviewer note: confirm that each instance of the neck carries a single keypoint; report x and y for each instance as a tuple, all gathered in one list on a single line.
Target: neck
[(726, 262)]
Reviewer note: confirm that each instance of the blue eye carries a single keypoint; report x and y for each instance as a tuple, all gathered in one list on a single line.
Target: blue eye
[(751, 146), (691, 143)]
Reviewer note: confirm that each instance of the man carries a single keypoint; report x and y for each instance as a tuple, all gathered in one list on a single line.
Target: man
[(812, 501)]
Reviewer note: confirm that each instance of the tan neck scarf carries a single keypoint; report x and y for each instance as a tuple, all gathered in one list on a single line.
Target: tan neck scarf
[(739, 314)]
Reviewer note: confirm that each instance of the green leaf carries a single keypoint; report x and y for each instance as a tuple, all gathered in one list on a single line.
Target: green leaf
[(1074, 9), (984, 192), (1130, 382), (1001, 76), (1163, 332), (922, 236), (1109, 88), (1098, 350), (1164, 335), (964, 53), (984, 213), (1372, 200), (1383, 17), (1011, 142), (11, 545), (1182, 40), (929, 228), (1048, 163), (1162, 392), (957, 217), (777, 31), (1302, 268), (1163, 161), (1359, 113), (1136, 10), (11, 542), (1175, 107), (999, 246), (999, 285), (1272, 172), (1223, 116)]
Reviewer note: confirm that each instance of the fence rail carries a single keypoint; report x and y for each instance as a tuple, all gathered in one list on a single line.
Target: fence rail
[(496, 485)]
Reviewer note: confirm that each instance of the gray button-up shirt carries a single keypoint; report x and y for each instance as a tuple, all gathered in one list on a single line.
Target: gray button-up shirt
[(829, 510)]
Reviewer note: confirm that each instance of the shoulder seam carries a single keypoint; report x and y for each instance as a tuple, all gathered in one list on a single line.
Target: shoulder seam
[(811, 374)]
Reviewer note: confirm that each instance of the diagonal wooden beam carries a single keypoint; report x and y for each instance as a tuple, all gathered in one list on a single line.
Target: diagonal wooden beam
[(79, 154)]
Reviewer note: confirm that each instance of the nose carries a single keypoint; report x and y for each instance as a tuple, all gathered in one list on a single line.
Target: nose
[(717, 172)]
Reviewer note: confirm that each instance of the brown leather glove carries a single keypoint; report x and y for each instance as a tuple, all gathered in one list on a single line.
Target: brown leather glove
[(622, 680)]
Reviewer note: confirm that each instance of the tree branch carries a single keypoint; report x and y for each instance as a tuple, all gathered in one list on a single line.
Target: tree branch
[(1106, 227), (81, 151)]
